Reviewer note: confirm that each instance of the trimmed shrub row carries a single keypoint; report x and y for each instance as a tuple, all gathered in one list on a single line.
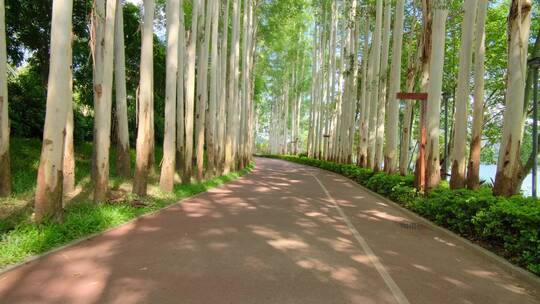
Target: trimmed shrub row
[(508, 226)]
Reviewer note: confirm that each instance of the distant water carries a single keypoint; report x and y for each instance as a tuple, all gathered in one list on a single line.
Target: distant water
[(487, 173)]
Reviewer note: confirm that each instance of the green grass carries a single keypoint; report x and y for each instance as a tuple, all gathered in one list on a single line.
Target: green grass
[(20, 238)]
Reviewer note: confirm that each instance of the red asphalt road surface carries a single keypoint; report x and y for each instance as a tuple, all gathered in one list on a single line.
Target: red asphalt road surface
[(273, 236)]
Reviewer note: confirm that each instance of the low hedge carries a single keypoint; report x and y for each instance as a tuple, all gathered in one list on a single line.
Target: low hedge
[(508, 226)]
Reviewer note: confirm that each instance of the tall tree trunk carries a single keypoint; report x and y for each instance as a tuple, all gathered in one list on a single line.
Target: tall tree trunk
[(392, 120), (48, 200), (168, 165), (123, 159), (433, 172), (364, 99), (379, 137), (103, 108), (146, 95), (374, 86), (69, 151), (190, 94), (211, 149), (180, 83), (473, 172), (425, 61), (222, 103), (509, 164), (457, 180), (5, 168), (202, 86), (96, 45), (232, 81), (243, 93)]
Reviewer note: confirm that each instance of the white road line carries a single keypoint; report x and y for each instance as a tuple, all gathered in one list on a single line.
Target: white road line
[(394, 288)]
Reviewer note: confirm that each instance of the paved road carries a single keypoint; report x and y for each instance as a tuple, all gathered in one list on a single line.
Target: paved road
[(283, 234)]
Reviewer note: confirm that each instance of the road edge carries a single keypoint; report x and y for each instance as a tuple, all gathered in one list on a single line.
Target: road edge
[(33, 258)]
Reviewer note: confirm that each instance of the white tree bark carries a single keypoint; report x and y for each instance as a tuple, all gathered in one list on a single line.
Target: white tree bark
[(103, 107), (374, 86), (379, 139), (222, 104), (211, 148), (190, 94), (457, 179), (473, 172), (180, 84), (168, 165), (433, 172), (5, 168), (392, 118), (509, 164), (69, 149), (48, 200), (364, 101), (146, 96), (202, 86), (232, 90), (123, 159)]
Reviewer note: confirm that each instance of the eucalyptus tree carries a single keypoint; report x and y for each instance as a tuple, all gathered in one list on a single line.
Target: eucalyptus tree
[(232, 89), (373, 88), (68, 161), (48, 199), (433, 172), (146, 95), (96, 38), (190, 93), (168, 165), (103, 107), (222, 101), (242, 157), (5, 168), (457, 179), (211, 145), (509, 163), (203, 33), (180, 84), (383, 84), (473, 170), (392, 120), (123, 159)]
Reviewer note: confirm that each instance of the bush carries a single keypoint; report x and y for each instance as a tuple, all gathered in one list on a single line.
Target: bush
[(511, 226)]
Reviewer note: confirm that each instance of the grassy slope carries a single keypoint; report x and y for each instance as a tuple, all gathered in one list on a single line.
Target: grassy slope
[(20, 238)]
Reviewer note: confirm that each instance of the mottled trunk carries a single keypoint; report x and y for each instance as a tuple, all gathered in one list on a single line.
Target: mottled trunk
[(144, 136), (433, 172), (49, 192), (392, 120), (180, 83), (379, 136), (5, 168), (509, 164), (123, 159), (374, 86), (69, 151), (457, 179), (96, 44), (103, 108), (166, 181), (222, 103), (202, 87), (190, 94), (211, 148), (231, 99), (473, 172)]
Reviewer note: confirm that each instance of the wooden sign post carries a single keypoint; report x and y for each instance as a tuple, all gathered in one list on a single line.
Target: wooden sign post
[(420, 169)]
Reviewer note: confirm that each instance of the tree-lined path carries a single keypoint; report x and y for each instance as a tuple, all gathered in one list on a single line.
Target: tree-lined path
[(285, 233)]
